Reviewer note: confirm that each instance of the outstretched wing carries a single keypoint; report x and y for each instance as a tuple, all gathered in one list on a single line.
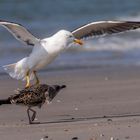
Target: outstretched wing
[(19, 32), (103, 28)]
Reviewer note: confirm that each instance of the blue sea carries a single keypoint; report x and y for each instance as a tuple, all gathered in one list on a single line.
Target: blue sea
[(45, 17)]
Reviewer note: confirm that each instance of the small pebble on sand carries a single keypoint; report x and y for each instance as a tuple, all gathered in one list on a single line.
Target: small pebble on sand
[(109, 120), (111, 138), (76, 108), (75, 138), (127, 137), (101, 135), (46, 137), (66, 130)]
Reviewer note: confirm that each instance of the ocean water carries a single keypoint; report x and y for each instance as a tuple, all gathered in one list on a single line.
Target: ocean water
[(45, 17)]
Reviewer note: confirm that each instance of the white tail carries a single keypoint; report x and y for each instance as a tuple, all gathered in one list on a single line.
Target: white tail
[(17, 70), (10, 69)]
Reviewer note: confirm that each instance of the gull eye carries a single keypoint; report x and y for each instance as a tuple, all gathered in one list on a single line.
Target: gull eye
[(71, 36)]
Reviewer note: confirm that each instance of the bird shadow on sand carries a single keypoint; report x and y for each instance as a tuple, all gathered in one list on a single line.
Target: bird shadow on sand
[(57, 121), (108, 118)]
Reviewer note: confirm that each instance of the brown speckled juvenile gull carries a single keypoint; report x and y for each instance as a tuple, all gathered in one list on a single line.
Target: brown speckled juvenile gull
[(33, 96)]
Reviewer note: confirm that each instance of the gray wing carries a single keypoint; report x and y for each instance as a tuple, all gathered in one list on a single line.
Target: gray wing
[(19, 32), (103, 28)]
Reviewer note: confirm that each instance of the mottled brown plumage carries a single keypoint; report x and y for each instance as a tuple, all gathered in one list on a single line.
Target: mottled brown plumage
[(33, 96)]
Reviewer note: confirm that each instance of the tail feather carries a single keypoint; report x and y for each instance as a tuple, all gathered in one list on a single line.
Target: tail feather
[(17, 70), (5, 101), (10, 69)]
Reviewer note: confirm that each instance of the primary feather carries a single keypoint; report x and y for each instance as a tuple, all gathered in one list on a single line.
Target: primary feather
[(103, 28)]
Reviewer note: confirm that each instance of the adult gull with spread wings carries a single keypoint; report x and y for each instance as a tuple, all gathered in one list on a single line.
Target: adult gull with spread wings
[(47, 49)]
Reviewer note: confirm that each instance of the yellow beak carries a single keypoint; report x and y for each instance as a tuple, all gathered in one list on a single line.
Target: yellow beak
[(78, 41)]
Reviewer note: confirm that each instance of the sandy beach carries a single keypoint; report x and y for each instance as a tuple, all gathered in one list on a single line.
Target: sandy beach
[(100, 103)]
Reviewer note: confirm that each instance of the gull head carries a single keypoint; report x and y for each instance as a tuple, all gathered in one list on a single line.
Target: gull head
[(66, 38)]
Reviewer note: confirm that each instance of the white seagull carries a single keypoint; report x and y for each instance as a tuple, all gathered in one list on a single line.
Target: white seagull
[(47, 49)]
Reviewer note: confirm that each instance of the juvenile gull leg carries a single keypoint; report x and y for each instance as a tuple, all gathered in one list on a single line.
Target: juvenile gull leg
[(31, 119), (34, 114)]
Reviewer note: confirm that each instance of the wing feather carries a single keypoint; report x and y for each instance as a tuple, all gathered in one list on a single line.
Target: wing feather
[(103, 28), (20, 32)]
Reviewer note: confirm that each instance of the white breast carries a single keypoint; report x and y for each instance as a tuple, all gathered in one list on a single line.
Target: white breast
[(42, 55), (46, 51)]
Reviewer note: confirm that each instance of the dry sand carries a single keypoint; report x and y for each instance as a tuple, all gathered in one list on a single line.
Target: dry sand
[(101, 103)]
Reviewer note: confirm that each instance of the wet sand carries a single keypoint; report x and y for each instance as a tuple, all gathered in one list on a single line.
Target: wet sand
[(98, 103)]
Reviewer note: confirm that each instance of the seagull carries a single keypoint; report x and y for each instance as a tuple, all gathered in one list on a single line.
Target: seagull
[(46, 50), (33, 96)]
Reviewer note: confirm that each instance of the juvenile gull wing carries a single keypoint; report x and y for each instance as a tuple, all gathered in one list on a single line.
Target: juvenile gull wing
[(103, 28), (19, 32)]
